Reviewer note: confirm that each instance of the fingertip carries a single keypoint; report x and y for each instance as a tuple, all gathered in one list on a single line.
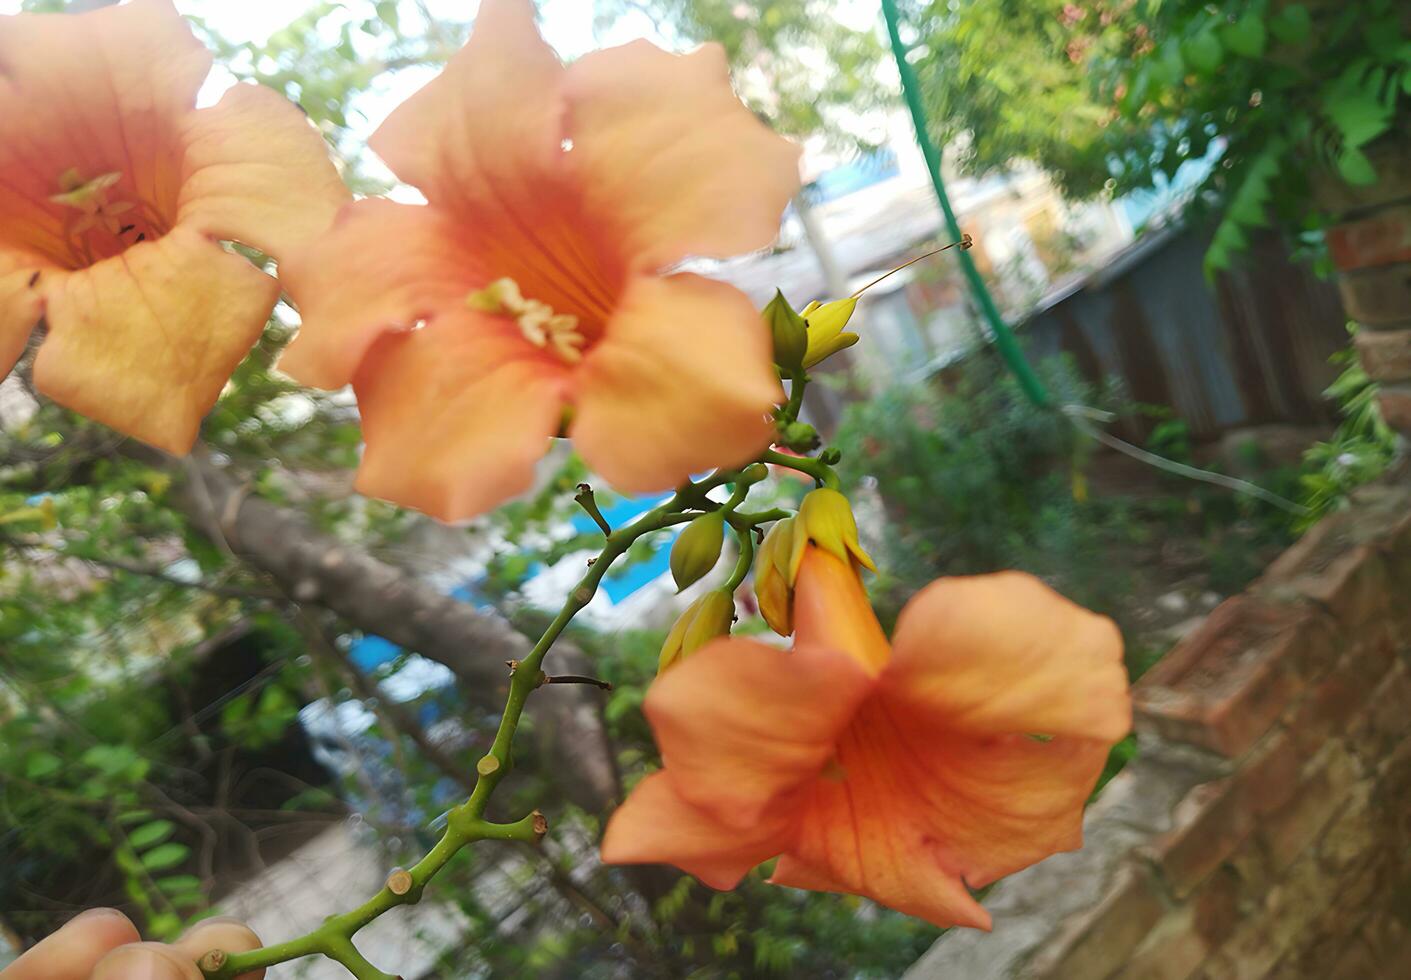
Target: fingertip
[(223, 933), (145, 961), (71, 952)]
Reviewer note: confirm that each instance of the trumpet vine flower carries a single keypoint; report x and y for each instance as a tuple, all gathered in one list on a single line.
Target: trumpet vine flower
[(531, 295), (115, 194), (908, 772)]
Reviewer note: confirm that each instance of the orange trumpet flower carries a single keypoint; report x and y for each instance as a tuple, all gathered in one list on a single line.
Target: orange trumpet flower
[(908, 772), (115, 192), (528, 296)]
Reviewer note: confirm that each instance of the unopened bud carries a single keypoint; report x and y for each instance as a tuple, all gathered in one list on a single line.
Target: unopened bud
[(825, 329), (825, 519), (705, 619), (789, 331), (697, 549), (798, 436), (771, 577)]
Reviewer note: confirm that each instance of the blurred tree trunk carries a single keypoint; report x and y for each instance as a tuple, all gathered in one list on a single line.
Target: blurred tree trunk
[(312, 567)]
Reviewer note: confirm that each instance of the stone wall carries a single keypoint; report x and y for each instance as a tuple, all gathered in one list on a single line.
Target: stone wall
[(1264, 829)]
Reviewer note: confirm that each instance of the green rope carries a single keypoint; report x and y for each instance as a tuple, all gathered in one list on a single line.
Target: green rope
[(1005, 341)]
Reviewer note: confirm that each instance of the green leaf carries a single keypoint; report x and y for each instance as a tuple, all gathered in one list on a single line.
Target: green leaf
[(41, 764), (151, 833), (1245, 37), (1360, 116), (1203, 52), (176, 884), (116, 761), (1292, 25), (165, 856), (1355, 168)]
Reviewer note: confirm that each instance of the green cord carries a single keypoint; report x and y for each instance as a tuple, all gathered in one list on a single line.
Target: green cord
[(1005, 341)]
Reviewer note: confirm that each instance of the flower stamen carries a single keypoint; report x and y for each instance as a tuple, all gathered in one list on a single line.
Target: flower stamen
[(556, 333)]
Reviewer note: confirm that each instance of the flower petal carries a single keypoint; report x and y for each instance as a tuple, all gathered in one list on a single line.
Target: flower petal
[(861, 832), (99, 92), (1004, 654), (683, 381), (655, 826), (491, 124), (381, 266), (669, 156), (455, 415), (144, 342), (257, 172), (831, 609), (21, 303), (989, 805), (740, 724)]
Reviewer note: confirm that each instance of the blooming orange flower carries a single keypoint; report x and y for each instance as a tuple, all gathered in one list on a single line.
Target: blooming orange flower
[(114, 193), (907, 772), (528, 296)]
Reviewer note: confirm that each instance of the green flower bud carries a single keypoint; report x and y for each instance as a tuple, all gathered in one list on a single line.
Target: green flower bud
[(789, 331), (707, 618), (697, 549), (798, 436)]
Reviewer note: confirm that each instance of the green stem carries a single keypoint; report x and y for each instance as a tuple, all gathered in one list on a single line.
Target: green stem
[(744, 563), (465, 823), (815, 468), (1005, 341), (798, 381)]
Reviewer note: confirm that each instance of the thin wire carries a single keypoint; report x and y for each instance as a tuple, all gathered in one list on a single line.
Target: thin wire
[(1081, 416)]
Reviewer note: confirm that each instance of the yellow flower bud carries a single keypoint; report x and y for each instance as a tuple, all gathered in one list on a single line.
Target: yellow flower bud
[(771, 577), (825, 519), (704, 620), (697, 549), (825, 329), (789, 331)]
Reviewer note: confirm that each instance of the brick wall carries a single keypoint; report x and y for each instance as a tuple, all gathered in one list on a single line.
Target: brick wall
[(1264, 829)]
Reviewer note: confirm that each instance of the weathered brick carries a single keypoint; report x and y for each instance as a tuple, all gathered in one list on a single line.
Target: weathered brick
[(1219, 904), (1270, 774), (1392, 798), (1207, 826), (1385, 354), (1393, 184), (1379, 297), (1352, 837), (1388, 936), (1256, 875), (1349, 579), (1289, 832), (1171, 951), (1386, 718), (1095, 945), (1227, 682), (1394, 400), (1380, 239), (1355, 960)]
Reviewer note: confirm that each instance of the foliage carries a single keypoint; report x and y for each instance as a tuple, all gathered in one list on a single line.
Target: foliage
[(972, 478), (1361, 449), (1008, 81), (975, 477), (1294, 93), (796, 62)]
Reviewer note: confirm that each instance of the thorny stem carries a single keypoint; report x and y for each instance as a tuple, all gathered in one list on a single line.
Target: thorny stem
[(466, 823)]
